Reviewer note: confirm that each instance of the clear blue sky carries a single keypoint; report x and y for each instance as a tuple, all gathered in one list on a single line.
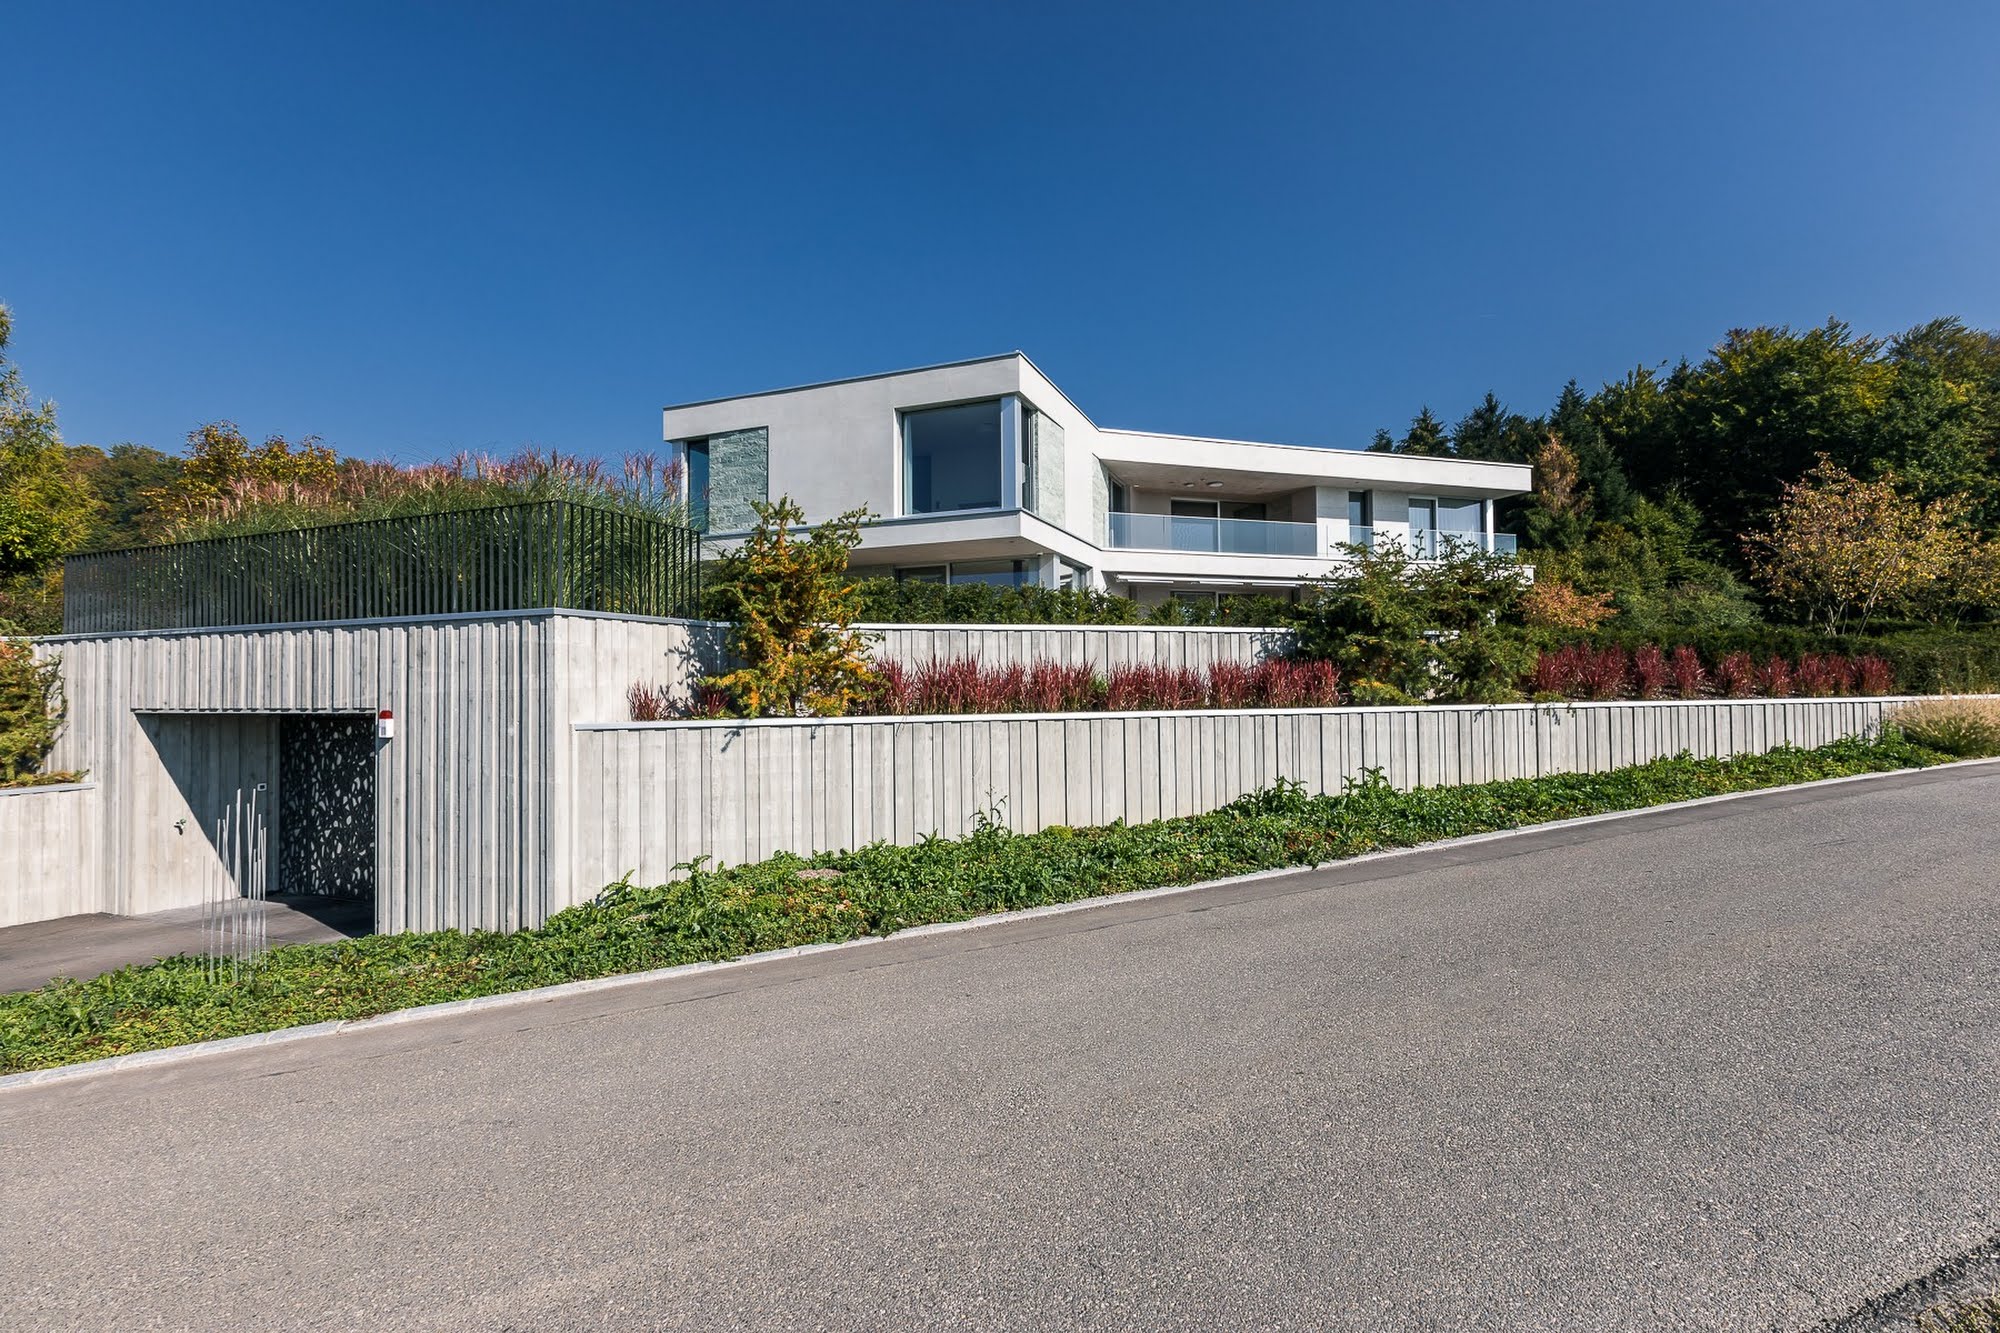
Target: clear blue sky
[(414, 228)]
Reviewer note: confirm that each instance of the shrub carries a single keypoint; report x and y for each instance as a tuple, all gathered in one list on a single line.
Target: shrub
[(1404, 629), (1554, 604), (31, 712), (1964, 728)]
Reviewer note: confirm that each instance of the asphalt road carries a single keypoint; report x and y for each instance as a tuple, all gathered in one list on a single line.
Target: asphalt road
[(1725, 1068)]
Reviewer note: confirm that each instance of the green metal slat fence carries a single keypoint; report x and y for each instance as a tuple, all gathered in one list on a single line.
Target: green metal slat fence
[(538, 553)]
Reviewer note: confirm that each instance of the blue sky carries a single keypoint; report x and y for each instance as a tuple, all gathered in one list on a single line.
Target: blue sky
[(414, 229)]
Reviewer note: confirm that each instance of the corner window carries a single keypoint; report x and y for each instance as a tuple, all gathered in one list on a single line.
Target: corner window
[(952, 458)]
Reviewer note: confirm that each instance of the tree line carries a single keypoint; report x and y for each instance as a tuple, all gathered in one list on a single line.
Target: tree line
[(1808, 477), (1818, 476)]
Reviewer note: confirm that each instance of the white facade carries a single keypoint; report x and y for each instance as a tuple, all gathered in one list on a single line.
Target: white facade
[(1016, 484)]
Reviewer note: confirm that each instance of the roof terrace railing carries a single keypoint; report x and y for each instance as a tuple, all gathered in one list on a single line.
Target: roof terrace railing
[(513, 557)]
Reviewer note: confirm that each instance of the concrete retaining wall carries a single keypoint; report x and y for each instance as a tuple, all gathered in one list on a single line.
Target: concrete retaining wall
[(659, 794), (170, 724), (52, 863)]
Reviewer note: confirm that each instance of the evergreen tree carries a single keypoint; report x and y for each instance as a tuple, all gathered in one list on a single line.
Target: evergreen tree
[(1426, 437), (1489, 431), (1598, 472)]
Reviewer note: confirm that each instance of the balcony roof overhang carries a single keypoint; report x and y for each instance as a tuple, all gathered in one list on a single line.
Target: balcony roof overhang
[(1247, 470)]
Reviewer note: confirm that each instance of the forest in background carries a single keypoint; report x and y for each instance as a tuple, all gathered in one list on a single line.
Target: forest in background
[(1677, 503)]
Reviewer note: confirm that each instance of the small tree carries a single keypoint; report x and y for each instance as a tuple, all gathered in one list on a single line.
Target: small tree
[(787, 590), (1559, 511), (1403, 629), (31, 708), (45, 510), (1840, 548), (1554, 604)]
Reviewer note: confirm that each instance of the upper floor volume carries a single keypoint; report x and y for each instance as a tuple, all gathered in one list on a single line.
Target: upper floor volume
[(984, 471)]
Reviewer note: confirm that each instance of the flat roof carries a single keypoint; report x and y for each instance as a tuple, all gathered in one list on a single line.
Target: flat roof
[(1103, 430), (850, 379)]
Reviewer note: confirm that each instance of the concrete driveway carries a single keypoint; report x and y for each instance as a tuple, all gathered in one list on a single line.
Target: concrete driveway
[(96, 942), (1732, 1067)]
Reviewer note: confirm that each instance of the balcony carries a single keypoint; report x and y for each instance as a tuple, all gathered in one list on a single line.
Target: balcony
[(1425, 545), (1224, 536)]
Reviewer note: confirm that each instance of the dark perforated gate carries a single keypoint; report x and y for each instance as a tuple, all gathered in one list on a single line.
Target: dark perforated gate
[(326, 806)]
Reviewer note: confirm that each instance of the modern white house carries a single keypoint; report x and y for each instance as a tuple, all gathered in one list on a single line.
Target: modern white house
[(984, 471)]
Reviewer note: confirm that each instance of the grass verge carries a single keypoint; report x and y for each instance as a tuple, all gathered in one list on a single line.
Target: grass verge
[(791, 900)]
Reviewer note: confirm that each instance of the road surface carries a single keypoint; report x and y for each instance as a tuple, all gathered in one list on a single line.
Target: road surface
[(1733, 1067)]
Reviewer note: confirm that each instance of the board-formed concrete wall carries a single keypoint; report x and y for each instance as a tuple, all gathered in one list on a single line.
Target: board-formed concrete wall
[(50, 866), (1099, 646), (168, 725), (660, 794)]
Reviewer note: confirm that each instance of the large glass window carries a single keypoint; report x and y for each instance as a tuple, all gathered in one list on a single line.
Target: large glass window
[(999, 573), (697, 482), (951, 458)]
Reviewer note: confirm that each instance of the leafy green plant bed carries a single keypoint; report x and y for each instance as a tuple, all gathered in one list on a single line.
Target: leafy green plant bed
[(792, 900)]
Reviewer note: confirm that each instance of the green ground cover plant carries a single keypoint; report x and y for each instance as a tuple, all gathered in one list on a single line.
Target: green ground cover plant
[(714, 914)]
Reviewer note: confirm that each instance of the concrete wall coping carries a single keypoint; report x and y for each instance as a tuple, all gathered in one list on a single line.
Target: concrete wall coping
[(550, 612), (459, 617), (1567, 705), (1026, 627)]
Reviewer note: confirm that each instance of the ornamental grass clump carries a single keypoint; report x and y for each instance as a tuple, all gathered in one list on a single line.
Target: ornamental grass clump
[(1685, 674), (1736, 675), (1874, 675), (1649, 673), (1962, 728)]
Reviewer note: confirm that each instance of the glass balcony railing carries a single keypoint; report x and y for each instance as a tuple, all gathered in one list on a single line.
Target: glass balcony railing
[(1425, 545), (1225, 536)]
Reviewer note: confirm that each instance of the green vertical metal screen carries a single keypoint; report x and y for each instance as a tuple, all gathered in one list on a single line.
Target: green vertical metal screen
[(542, 553)]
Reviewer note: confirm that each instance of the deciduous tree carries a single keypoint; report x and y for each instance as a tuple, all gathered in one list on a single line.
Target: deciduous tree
[(1841, 548)]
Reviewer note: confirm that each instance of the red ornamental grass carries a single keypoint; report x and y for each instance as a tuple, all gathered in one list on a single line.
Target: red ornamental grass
[(1817, 676), (1874, 675), (1649, 672), (1562, 671), (1736, 675), (1685, 673), (1774, 679), (1235, 684), (1602, 674), (650, 703), (1299, 685), (1054, 687)]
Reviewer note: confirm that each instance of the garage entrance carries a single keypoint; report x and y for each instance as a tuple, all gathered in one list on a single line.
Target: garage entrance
[(326, 806)]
